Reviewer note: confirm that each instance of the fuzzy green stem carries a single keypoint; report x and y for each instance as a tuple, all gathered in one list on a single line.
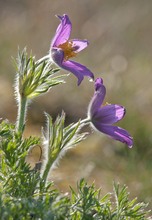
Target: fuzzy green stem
[(46, 172), (22, 108), (85, 121), (43, 59)]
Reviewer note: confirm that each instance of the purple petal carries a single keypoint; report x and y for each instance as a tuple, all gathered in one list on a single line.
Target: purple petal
[(97, 100), (57, 55), (109, 114), (63, 31), (115, 132), (79, 45), (77, 69), (98, 83)]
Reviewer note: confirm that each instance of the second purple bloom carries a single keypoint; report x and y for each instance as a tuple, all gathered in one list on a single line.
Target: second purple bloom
[(103, 117)]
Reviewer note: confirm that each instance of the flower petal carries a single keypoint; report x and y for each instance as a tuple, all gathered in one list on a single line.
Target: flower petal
[(109, 114), (98, 84), (57, 56), (115, 132), (77, 69), (63, 31), (97, 100), (79, 45)]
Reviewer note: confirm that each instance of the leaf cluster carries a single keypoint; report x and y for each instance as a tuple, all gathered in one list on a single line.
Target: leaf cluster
[(23, 196), (125, 208), (59, 138), (35, 77), (85, 204), (17, 179)]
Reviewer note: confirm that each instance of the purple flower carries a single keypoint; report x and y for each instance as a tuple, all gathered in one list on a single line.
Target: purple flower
[(103, 117), (62, 49)]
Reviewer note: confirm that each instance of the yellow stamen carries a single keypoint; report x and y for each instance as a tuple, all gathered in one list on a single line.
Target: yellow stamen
[(107, 103), (68, 49)]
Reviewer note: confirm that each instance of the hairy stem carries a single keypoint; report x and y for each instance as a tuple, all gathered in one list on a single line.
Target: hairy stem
[(83, 122), (22, 108), (46, 172)]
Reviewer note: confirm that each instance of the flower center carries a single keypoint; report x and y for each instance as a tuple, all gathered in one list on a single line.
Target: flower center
[(68, 49)]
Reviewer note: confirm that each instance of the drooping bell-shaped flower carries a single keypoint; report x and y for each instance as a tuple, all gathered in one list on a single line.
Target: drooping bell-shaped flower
[(103, 117), (62, 49)]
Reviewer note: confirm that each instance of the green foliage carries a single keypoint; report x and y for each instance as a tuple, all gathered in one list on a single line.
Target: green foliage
[(24, 194), (53, 206), (35, 78), (126, 209), (86, 204), (17, 178), (58, 139)]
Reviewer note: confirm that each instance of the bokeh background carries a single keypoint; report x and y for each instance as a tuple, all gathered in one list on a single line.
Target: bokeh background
[(120, 51)]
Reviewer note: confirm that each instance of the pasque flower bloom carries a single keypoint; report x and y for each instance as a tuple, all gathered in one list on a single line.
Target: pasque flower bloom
[(102, 117), (62, 49)]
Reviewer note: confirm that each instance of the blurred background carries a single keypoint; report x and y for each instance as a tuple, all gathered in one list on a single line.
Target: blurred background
[(120, 51)]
